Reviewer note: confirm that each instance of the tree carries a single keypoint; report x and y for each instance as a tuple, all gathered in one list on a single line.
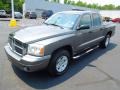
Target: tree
[(118, 7), (57, 1), (95, 6), (65, 1), (6, 5)]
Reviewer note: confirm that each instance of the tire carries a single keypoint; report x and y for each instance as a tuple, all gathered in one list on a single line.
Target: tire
[(105, 42), (60, 57)]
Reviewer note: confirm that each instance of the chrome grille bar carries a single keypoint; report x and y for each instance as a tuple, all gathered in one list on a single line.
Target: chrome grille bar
[(17, 46)]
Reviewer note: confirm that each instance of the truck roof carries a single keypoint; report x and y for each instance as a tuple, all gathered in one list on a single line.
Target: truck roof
[(78, 12)]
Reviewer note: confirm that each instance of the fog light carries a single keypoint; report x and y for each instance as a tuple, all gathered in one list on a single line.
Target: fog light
[(26, 69)]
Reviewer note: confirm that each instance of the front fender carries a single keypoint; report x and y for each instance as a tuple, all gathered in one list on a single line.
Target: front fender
[(54, 43)]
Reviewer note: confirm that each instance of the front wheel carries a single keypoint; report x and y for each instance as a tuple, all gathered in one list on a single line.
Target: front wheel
[(105, 42), (59, 63)]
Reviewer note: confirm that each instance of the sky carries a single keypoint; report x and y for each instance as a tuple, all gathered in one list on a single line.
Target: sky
[(100, 2)]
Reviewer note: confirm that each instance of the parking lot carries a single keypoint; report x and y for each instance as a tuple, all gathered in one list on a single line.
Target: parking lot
[(97, 70)]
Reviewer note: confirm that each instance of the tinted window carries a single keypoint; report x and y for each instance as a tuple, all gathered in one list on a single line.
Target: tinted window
[(96, 20), (85, 20)]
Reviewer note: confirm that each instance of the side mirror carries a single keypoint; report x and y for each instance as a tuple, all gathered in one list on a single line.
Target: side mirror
[(82, 27)]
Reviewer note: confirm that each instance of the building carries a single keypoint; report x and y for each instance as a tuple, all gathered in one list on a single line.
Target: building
[(39, 6)]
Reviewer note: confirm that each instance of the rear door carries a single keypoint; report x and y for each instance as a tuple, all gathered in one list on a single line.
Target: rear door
[(97, 31)]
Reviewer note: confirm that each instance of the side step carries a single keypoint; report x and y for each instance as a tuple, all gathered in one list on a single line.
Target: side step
[(85, 52)]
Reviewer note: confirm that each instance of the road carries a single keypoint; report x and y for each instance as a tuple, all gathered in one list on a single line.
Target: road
[(97, 70)]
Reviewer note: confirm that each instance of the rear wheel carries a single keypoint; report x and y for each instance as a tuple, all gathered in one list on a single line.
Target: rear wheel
[(105, 42), (59, 63)]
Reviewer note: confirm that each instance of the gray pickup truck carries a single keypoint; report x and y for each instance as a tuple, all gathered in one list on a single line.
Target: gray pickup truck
[(53, 45)]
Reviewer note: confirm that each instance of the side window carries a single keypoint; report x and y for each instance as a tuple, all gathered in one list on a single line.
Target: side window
[(96, 20), (85, 20)]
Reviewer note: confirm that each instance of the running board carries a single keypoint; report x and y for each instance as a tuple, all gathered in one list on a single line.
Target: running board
[(85, 52)]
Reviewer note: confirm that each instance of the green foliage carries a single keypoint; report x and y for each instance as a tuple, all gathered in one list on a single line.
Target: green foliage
[(56, 1), (118, 7), (95, 6), (6, 5)]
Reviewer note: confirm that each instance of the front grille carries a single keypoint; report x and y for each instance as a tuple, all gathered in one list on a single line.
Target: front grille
[(18, 50), (17, 46), (10, 41), (18, 43)]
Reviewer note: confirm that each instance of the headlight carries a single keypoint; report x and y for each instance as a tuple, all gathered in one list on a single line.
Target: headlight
[(36, 50)]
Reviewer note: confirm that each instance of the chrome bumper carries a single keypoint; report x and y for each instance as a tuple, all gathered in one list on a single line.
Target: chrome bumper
[(27, 63)]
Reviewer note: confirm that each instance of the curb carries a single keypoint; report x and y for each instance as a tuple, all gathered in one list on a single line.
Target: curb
[(7, 19)]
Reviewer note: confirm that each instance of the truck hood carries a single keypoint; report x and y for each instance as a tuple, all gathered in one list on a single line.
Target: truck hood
[(38, 33)]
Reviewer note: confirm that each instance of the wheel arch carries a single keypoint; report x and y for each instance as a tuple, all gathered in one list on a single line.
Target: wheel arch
[(109, 33), (66, 47)]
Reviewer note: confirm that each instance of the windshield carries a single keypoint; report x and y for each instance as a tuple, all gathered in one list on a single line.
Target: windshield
[(64, 20)]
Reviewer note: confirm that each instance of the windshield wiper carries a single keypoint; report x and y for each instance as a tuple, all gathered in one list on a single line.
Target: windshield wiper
[(57, 25), (46, 23), (54, 25)]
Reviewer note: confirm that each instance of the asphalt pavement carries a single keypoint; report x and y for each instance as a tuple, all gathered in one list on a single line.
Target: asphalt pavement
[(97, 70)]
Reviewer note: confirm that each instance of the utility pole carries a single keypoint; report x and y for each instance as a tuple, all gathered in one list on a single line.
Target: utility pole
[(12, 7)]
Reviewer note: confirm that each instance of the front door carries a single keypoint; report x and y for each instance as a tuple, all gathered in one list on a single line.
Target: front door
[(84, 36)]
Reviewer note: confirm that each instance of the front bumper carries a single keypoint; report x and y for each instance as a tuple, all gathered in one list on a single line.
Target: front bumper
[(27, 63)]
